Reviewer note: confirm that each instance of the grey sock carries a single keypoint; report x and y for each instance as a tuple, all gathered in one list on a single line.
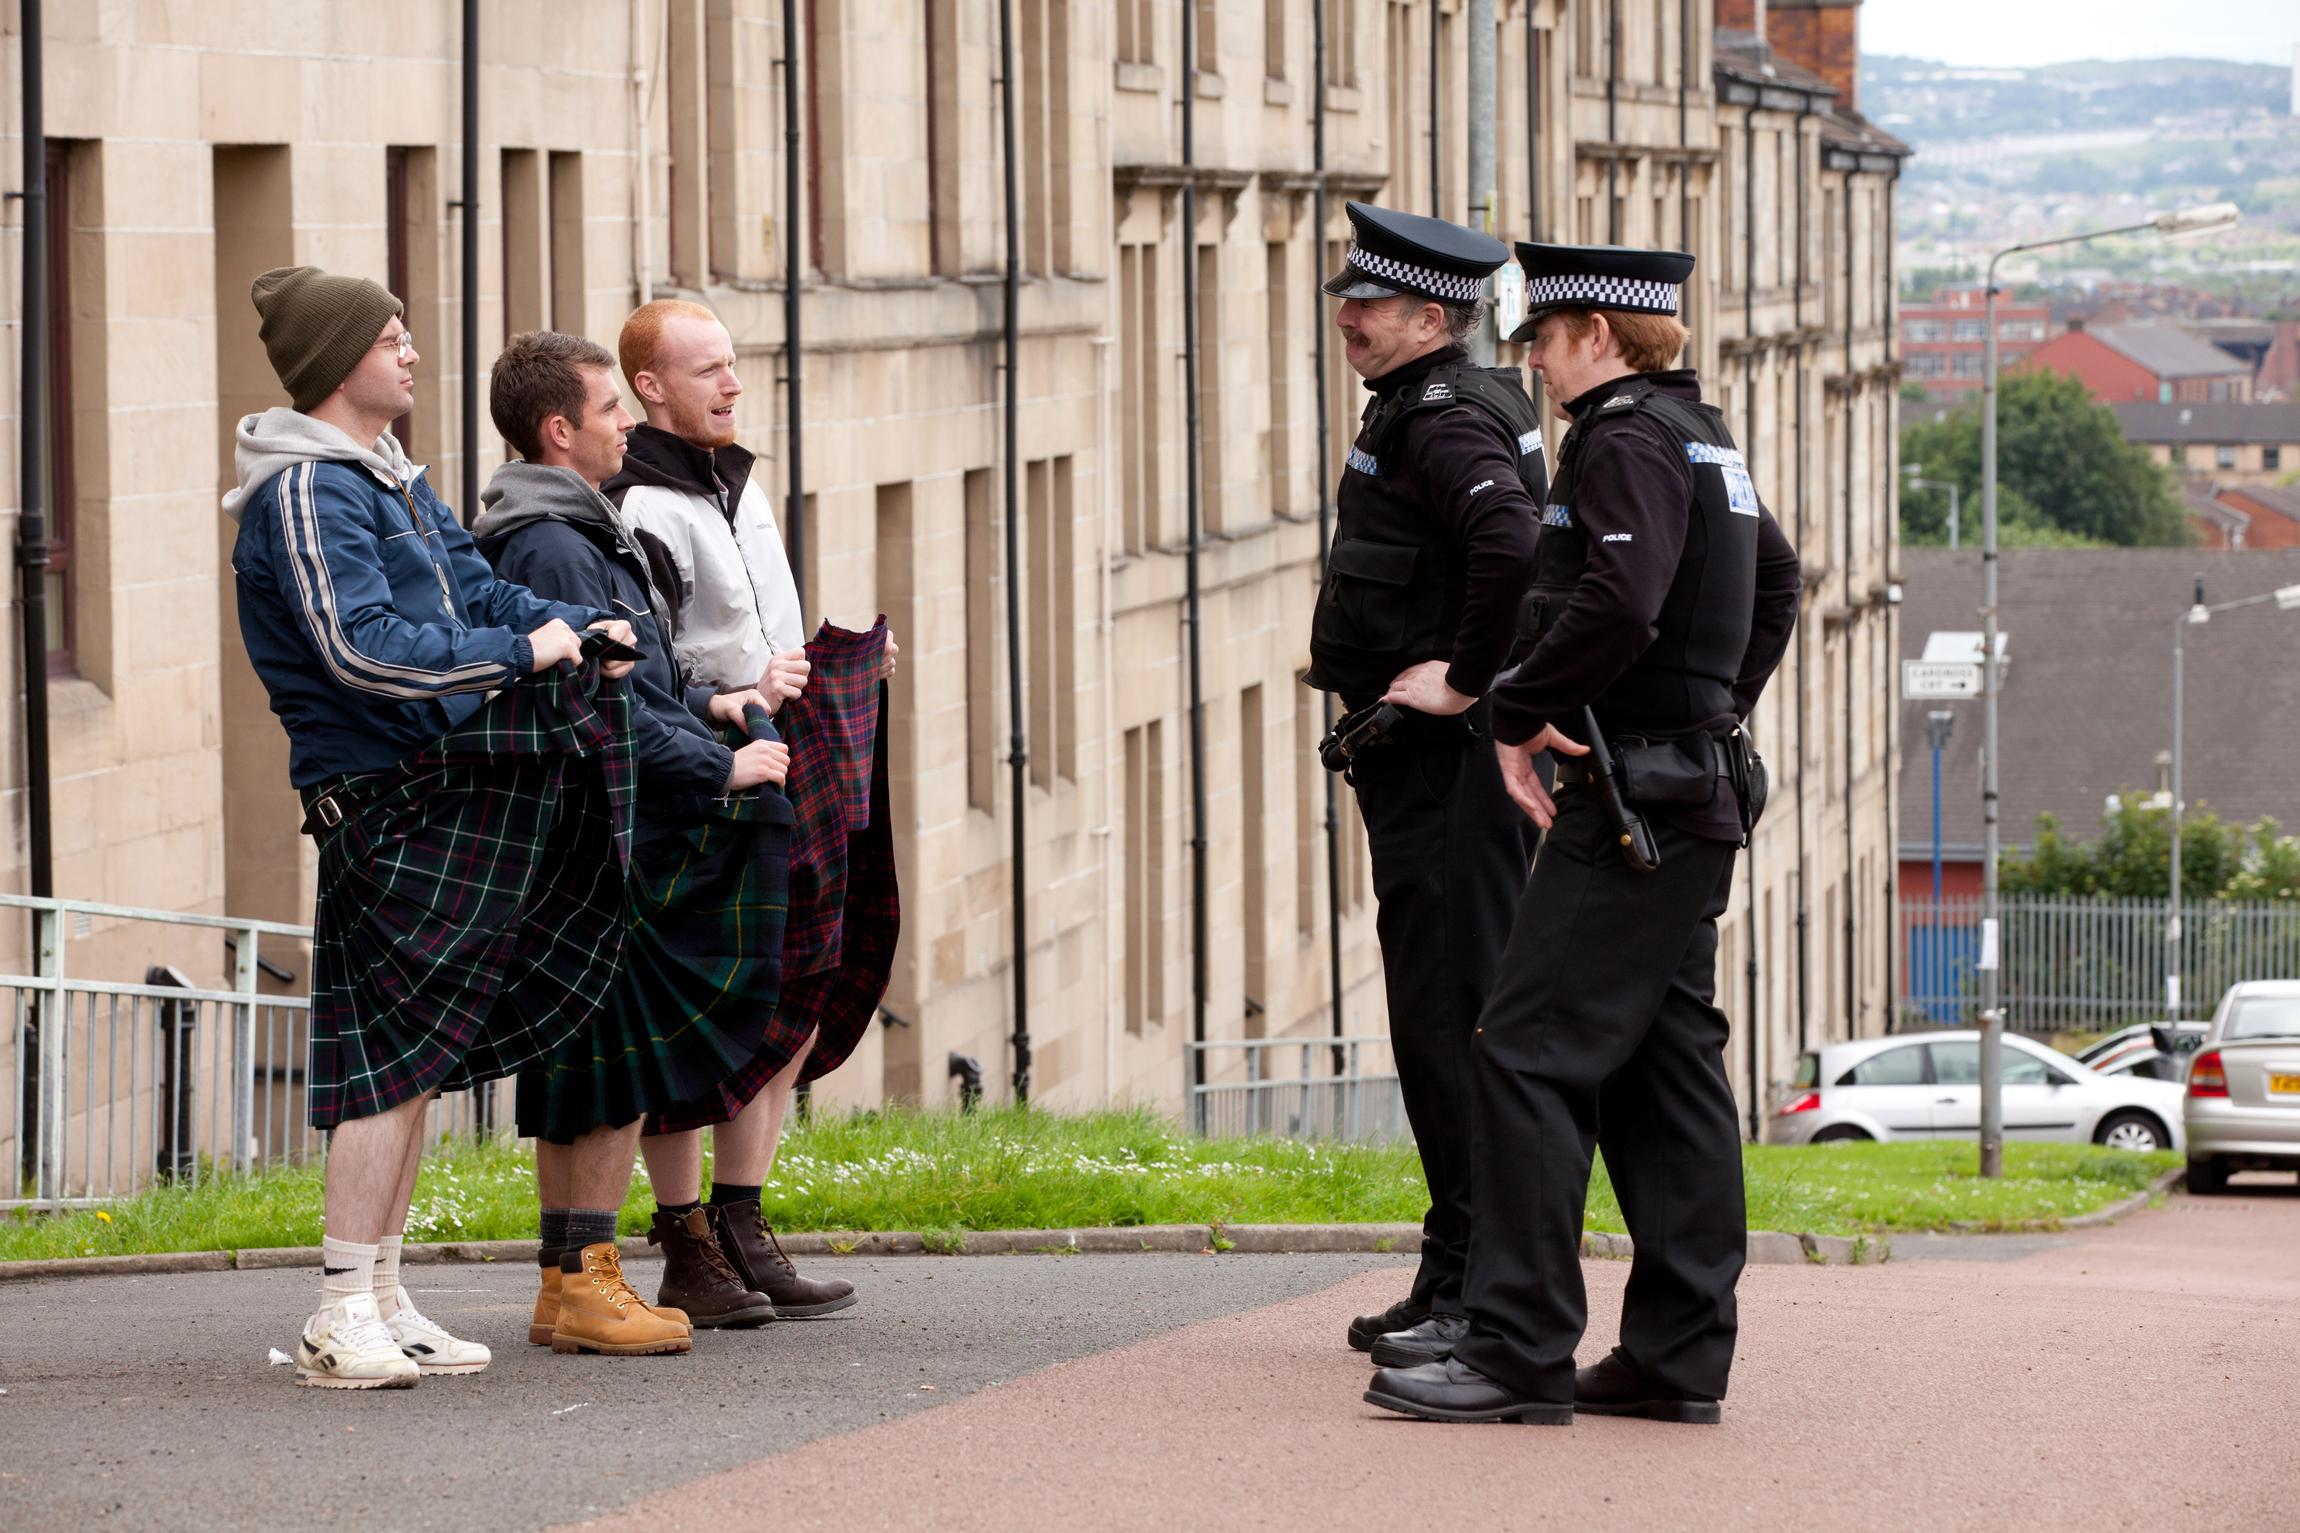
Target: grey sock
[(554, 1231), (588, 1227)]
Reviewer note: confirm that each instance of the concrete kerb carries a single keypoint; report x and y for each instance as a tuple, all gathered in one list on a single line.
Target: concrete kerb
[(1196, 1239)]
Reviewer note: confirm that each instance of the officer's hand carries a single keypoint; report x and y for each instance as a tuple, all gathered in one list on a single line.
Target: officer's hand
[(758, 762), (1517, 772), (785, 679), (1423, 688), (618, 630), (727, 708), (893, 653)]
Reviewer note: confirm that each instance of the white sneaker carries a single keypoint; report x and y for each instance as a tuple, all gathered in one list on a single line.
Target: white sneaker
[(346, 1346), (434, 1351)]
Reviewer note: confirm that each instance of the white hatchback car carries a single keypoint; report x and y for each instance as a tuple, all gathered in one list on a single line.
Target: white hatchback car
[(1927, 1086)]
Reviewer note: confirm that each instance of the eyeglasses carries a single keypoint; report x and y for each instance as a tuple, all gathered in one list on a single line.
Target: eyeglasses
[(404, 342)]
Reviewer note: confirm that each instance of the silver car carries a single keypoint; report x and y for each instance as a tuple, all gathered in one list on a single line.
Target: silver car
[(2243, 1103), (1927, 1086)]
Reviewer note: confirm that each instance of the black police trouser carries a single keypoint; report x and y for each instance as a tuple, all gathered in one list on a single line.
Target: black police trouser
[(1450, 853), (1604, 1030)]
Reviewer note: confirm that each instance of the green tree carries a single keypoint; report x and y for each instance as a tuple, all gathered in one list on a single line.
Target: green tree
[(2065, 475), (2132, 857)]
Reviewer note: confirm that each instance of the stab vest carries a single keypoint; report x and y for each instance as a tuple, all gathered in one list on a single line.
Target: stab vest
[(1395, 581), (1685, 677)]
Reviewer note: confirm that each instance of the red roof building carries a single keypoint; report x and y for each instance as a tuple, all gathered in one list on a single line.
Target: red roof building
[(2122, 364)]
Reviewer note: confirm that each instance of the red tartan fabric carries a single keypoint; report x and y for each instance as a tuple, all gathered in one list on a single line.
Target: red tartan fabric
[(846, 907)]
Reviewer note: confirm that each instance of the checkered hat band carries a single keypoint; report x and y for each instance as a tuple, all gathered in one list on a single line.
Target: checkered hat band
[(1601, 293), (1421, 279)]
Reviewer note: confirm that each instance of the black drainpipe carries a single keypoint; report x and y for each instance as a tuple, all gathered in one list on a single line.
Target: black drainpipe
[(1437, 120), (794, 270), (1803, 658), (1685, 234), (1190, 554), (1749, 456), (1017, 755), (1852, 993), (32, 541), (1325, 500), (468, 210), (32, 471), (1532, 175), (1612, 127)]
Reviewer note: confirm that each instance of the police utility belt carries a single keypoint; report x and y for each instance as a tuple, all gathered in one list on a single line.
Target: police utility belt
[(1377, 725), (1680, 773)]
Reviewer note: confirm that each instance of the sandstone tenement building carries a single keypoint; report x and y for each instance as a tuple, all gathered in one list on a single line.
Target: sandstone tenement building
[(636, 147)]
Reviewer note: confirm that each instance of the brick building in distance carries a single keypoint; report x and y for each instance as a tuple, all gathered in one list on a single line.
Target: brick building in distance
[(2121, 364), (1945, 342)]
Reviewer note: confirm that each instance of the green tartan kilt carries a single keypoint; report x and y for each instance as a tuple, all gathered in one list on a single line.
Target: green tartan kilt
[(700, 978)]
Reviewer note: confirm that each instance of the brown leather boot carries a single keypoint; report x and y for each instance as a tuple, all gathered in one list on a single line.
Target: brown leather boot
[(697, 1277), (546, 1303), (600, 1312), (756, 1254)]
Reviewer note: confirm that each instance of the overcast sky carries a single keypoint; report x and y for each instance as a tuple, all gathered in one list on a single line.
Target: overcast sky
[(1980, 33)]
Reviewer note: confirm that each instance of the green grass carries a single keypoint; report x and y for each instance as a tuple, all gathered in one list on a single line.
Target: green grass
[(941, 1174)]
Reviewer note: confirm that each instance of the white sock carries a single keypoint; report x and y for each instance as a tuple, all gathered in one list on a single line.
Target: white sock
[(346, 1268), (388, 1298)]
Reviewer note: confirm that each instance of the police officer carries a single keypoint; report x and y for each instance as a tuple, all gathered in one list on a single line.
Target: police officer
[(1432, 551), (1663, 596)]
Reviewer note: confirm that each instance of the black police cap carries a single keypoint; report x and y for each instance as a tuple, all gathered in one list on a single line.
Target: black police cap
[(1598, 277), (1393, 253)]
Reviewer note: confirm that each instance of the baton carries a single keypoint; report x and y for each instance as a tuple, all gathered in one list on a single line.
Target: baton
[(1637, 848)]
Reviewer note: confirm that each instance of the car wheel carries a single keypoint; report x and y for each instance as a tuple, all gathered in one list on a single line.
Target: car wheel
[(1841, 1133), (2208, 1175), (2132, 1131)]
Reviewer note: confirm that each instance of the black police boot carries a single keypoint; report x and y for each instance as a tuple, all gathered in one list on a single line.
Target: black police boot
[(1613, 1388), (1432, 1341), (1403, 1315), (1454, 1391)]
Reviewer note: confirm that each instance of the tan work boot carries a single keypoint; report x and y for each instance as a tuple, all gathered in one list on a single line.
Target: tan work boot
[(546, 1303), (600, 1312)]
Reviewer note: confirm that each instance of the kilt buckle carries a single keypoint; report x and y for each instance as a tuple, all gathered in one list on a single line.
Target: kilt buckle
[(326, 813)]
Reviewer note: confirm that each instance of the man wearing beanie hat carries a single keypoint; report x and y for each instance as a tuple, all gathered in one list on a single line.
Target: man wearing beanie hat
[(465, 768)]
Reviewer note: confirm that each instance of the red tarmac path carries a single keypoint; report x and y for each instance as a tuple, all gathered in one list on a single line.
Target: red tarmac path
[(2146, 1375)]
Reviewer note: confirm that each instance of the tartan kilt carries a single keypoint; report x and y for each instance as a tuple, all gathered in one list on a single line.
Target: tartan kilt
[(695, 997), (471, 904), (836, 998)]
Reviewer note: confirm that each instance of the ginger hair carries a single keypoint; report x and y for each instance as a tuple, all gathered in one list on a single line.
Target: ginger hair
[(640, 346), (1648, 343)]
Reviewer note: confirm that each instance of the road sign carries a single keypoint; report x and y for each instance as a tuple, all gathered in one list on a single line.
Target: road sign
[(1923, 679)]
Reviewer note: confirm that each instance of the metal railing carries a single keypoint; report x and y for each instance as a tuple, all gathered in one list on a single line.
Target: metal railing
[(2071, 962), (113, 1085), (1297, 1087)]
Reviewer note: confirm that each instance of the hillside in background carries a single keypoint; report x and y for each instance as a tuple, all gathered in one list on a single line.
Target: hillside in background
[(2011, 155)]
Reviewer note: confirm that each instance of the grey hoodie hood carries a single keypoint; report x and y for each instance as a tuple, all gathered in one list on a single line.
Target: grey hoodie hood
[(279, 438), (522, 492)]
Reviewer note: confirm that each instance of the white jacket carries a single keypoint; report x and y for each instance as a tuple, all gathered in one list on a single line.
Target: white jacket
[(737, 603)]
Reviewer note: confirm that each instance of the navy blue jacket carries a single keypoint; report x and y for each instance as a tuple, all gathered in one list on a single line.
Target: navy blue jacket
[(368, 614), (545, 529)]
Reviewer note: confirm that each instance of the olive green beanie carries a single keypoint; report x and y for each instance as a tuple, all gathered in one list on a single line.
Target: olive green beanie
[(316, 328)]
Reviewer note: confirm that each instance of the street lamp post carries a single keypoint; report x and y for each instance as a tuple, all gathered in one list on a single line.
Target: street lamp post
[(2184, 223), (1938, 723), (2196, 614)]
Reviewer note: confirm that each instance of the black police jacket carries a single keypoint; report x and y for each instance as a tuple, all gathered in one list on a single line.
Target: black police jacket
[(1663, 592), (1434, 537)]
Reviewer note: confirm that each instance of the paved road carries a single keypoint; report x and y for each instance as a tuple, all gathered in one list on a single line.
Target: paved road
[(2139, 1376)]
